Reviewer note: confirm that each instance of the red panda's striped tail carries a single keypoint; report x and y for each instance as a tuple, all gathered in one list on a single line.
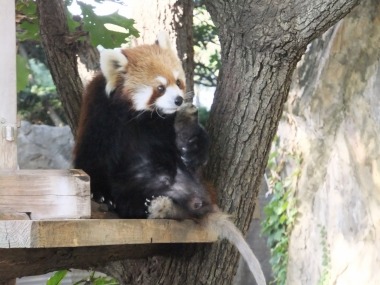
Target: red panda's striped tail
[(220, 223)]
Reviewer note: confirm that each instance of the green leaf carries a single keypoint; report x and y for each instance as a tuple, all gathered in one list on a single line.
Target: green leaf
[(57, 277), (99, 34), (279, 187), (23, 72), (105, 281), (281, 207), (70, 21), (283, 219), (28, 8), (29, 28)]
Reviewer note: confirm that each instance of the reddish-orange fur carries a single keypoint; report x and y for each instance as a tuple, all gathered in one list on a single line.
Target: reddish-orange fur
[(97, 82), (145, 62)]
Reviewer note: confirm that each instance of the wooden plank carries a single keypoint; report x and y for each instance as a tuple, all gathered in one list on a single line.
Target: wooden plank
[(46, 194), (8, 97), (11, 214), (9, 282), (94, 232)]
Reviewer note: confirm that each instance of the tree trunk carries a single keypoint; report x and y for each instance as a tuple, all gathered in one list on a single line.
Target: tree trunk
[(261, 45), (61, 54), (334, 110)]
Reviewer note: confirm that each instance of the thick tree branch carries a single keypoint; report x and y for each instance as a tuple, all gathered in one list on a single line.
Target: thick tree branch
[(281, 24)]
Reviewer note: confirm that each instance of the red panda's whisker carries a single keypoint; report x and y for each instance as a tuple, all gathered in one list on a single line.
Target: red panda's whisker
[(135, 117), (158, 113)]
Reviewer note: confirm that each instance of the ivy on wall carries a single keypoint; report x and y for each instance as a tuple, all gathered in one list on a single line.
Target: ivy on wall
[(281, 211)]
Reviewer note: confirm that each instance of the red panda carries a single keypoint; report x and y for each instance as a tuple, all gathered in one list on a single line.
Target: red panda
[(131, 142)]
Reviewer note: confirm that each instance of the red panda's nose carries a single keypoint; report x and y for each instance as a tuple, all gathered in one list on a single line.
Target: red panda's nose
[(178, 101)]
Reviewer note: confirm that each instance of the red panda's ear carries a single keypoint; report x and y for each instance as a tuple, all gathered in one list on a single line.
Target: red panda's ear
[(112, 64), (163, 40)]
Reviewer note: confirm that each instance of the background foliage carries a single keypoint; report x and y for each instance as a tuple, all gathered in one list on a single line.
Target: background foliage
[(281, 211), (38, 101), (92, 279)]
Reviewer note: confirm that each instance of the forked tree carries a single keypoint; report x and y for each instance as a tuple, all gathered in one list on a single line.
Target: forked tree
[(261, 42)]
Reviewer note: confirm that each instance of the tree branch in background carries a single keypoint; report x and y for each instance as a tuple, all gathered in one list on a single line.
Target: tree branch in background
[(61, 56)]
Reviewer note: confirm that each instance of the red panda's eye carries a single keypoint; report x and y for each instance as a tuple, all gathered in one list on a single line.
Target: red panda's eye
[(178, 82), (161, 89)]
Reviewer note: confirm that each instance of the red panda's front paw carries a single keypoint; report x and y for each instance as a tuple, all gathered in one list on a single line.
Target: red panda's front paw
[(160, 207), (195, 152)]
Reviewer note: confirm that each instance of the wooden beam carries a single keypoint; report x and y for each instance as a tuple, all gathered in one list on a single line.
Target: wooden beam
[(95, 232), (10, 282), (45, 194), (8, 96), (21, 262), (30, 247)]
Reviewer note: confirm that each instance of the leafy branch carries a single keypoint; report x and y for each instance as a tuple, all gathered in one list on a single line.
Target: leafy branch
[(92, 279)]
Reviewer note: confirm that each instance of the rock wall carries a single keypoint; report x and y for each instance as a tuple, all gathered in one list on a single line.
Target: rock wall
[(333, 116), (44, 147)]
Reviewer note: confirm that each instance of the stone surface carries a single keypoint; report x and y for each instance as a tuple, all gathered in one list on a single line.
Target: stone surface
[(333, 117), (44, 147)]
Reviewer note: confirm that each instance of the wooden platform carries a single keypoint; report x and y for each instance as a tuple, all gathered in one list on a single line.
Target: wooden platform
[(45, 194), (79, 233), (35, 239), (52, 208), (30, 247)]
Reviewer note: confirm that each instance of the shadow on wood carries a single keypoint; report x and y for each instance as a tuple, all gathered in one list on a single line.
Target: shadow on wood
[(30, 245), (34, 261)]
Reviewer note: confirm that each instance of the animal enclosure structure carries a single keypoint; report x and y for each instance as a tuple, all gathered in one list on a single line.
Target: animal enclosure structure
[(45, 215)]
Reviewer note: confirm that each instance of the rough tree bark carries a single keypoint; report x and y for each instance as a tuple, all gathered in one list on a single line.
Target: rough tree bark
[(334, 123), (261, 43)]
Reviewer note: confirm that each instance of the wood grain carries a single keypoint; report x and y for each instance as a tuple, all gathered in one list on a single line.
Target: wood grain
[(46, 194), (95, 232)]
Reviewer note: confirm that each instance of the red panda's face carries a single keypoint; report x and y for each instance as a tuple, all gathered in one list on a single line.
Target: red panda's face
[(149, 76)]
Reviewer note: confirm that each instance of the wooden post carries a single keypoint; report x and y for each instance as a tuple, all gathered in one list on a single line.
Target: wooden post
[(8, 96)]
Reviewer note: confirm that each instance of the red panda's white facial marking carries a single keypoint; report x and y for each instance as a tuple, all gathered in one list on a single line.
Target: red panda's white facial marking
[(162, 80), (141, 97), (150, 77), (164, 97), (170, 101), (167, 97)]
